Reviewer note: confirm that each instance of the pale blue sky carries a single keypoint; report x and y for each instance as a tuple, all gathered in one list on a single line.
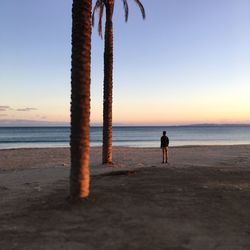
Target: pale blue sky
[(188, 62)]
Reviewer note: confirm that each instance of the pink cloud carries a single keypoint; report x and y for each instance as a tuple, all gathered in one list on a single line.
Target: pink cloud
[(5, 108), (26, 109)]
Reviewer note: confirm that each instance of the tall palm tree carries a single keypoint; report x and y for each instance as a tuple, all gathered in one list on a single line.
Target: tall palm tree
[(80, 98), (108, 68)]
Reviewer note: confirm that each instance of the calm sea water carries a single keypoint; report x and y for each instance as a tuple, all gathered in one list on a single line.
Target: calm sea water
[(28, 137)]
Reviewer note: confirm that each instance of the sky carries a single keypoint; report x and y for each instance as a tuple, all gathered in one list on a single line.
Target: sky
[(188, 62)]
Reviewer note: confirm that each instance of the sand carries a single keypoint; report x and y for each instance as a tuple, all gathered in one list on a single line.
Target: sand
[(201, 200)]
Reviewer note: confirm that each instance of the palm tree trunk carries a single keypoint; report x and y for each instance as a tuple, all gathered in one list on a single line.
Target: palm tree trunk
[(80, 98), (108, 87)]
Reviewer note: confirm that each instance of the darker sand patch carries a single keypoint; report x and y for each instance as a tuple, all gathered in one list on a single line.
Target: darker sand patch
[(153, 208), (120, 172)]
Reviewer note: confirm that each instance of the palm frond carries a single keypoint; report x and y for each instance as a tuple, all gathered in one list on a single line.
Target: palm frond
[(100, 20), (126, 10), (97, 6), (141, 8)]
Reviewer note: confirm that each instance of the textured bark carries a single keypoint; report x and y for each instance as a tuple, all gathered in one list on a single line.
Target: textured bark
[(108, 85), (80, 98)]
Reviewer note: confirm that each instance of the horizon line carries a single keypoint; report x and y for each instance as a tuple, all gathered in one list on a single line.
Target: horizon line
[(125, 125)]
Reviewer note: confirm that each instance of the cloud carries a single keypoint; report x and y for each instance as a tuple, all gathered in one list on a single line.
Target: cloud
[(20, 122), (3, 115), (4, 108), (43, 117), (26, 109)]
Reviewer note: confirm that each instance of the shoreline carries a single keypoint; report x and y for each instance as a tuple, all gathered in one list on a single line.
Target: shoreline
[(133, 147)]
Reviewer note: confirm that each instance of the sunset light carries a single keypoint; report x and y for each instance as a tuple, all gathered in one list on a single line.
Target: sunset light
[(180, 65)]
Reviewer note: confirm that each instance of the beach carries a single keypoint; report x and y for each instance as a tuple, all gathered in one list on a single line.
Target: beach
[(200, 200)]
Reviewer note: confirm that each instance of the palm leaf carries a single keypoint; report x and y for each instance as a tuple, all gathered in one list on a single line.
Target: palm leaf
[(97, 6), (100, 20), (126, 11), (141, 8)]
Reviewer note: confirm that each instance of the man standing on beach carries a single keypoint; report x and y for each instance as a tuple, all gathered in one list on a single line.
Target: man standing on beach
[(164, 147)]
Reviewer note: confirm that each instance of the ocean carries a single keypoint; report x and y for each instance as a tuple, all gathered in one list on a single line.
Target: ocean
[(141, 136)]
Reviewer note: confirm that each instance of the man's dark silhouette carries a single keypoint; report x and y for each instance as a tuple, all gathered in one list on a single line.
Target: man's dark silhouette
[(164, 147)]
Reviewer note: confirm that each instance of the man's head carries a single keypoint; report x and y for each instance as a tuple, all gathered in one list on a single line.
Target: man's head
[(164, 132)]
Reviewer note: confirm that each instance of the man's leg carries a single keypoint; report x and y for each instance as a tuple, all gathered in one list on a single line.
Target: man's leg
[(166, 151), (163, 153)]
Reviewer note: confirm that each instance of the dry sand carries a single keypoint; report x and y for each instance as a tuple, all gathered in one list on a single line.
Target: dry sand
[(201, 200)]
